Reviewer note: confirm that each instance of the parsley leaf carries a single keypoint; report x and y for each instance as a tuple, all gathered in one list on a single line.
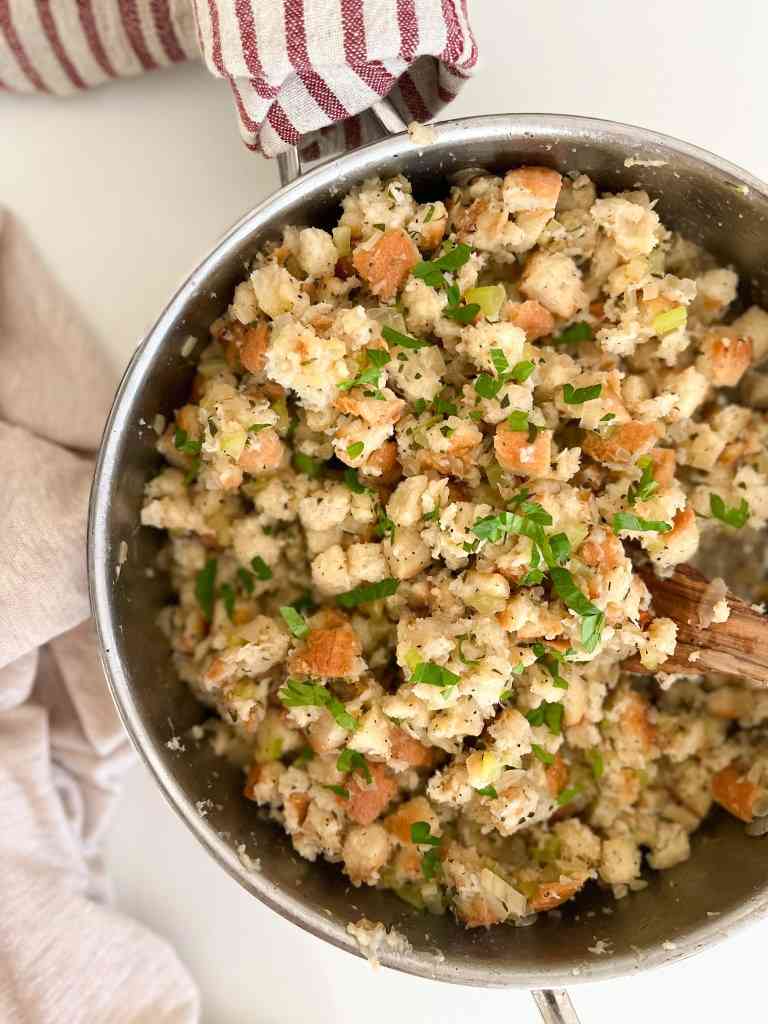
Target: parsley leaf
[(487, 791), (566, 795), (260, 568), (338, 790), (462, 314), (577, 396), (183, 443), (561, 547), (629, 521), (421, 834), (434, 675), (352, 761), (306, 464), (294, 621), (296, 694), (550, 658), (499, 360), (487, 386), (353, 450), (393, 337), (646, 486), (385, 527), (205, 582), (518, 421), (543, 755), (521, 371), (246, 580), (736, 516), (449, 261), (377, 358), (367, 592), (227, 595), (353, 483), (549, 713), (592, 618), (580, 331)]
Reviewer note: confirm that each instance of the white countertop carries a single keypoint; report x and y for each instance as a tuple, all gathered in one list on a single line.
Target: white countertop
[(124, 189)]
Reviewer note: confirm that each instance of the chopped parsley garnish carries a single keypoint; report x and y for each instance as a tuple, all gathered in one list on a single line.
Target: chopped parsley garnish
[(518, 421), (596, 763), (306, 464), (646, 486), (419, 406), (352, 761), (736, 516), (592, 618), (442, 407), (260, 568), (338, 790), (434, 675), (246, 580), (577, 396), (529, 521), (549, 713), (421, 835), (304, 603), (561, 547), (550, 658), (629, 521), (227, 595), (543, 755), (355, 449), (367, 592), (487, 386), (499, 360), (304, 756), (385, 527), (192, 472), (521, 371), (580, 331), (205, 588), (431, 271), (296, 694), (488, 791), (353, 483), (393, 337), (183, 442), (256, 427), (377, 358), (566, 795), (429, 214), (294, 621)]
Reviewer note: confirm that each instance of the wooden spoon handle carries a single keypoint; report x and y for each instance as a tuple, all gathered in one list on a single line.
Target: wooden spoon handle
[(737, 647)]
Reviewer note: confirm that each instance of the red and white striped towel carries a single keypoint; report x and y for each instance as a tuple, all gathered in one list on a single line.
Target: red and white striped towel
[(294, 66)]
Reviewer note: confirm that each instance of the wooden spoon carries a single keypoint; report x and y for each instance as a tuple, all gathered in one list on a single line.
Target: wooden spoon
[(736, 647)]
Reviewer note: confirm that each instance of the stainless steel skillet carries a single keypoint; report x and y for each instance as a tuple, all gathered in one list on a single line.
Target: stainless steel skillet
[(724, 885)]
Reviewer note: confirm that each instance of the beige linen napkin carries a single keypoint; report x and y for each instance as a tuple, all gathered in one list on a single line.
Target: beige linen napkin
[(65, 956)]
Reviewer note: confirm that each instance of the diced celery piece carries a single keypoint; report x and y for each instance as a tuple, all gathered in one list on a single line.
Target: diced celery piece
[(490, 298), (670, 320), (342, 239)]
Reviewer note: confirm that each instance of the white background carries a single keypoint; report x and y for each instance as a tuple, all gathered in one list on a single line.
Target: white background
[(124, 189)]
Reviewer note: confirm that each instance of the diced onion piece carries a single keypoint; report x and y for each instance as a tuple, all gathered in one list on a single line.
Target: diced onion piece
[(670, 320), (490, 298)]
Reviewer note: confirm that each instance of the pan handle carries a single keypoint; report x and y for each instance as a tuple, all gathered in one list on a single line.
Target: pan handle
[(387, 120), (555, 1006)]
